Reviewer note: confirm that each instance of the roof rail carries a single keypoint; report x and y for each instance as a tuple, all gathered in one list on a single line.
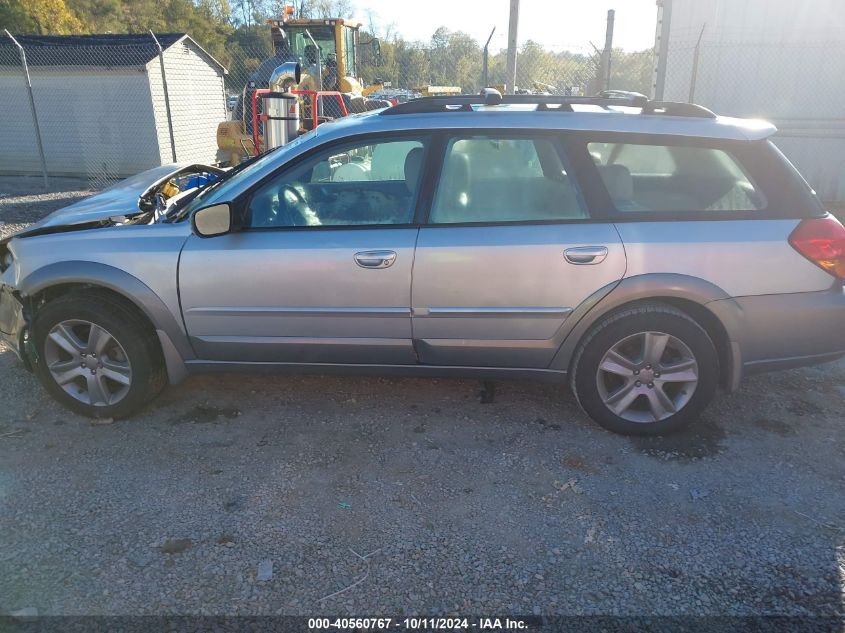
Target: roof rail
[(622, 94), (559, 103), (464, 103), (675, 108)]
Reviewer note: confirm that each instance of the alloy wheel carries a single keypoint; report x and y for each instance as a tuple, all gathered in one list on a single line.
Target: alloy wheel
[(88, 362), (647, 377)]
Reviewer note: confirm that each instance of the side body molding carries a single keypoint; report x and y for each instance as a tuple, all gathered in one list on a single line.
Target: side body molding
[(648, 287), (174, 344)]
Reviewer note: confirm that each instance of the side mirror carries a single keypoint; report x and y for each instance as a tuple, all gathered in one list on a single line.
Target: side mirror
[(213, 220)]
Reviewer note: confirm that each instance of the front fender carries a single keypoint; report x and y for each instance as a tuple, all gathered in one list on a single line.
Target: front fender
[(174, 343)]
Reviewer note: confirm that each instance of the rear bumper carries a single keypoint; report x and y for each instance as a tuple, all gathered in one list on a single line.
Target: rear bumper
[(790, 330)]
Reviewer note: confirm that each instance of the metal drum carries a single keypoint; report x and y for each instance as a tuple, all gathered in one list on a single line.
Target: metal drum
[(281, 119)]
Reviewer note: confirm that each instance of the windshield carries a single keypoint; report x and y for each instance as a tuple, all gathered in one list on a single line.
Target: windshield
[(303, 49), (227, 187)]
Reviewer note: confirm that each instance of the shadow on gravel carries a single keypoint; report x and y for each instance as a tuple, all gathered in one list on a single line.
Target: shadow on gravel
[(700, 439), (778, 427), (802, 407), (205, 415)]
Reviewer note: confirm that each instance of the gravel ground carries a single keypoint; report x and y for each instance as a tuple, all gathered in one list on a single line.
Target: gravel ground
[(24, 200), (429, 500)]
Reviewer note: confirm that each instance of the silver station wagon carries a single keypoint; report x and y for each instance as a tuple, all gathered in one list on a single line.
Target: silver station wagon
[(646, 253)]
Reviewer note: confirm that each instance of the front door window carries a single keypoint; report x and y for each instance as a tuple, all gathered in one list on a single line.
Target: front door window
[(371, 183)]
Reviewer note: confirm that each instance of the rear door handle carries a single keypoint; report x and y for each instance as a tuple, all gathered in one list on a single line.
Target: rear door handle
[(375, 259), (585, 254)]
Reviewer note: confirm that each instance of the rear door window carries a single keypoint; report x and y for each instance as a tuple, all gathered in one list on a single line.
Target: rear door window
[(499, 179), (655, 178)]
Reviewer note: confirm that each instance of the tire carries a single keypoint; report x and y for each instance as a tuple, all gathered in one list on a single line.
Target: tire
[(129, 371), (619, 385)]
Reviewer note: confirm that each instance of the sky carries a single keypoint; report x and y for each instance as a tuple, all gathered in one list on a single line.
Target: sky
[(556, 24)]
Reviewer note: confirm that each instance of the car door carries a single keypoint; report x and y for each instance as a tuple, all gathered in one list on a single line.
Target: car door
[(321, 271), (508, 252)]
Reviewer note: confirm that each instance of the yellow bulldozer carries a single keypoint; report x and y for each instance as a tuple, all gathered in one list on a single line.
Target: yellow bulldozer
[(328, 52), (337, 42)]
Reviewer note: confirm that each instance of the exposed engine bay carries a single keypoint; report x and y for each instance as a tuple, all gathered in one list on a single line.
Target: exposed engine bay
[(158, 199), (145, 198)]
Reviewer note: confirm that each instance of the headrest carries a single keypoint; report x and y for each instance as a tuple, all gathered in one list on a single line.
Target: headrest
[(458, 165), (617, 179), (413, 166)]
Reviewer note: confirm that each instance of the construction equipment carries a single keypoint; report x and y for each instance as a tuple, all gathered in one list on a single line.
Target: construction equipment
[(327, 49), (328, 86)]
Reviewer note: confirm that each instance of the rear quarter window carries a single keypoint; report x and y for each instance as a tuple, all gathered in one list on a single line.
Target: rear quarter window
[(633, 177), (647, 178)]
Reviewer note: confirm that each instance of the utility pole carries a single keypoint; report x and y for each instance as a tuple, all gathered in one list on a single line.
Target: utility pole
[(513, 26), (604, 81)]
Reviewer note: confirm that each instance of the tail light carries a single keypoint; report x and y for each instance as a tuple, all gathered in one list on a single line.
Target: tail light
[(822, 241)]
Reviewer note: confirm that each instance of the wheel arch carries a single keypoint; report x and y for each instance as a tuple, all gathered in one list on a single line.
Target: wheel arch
[(59, 279), (709, 305)]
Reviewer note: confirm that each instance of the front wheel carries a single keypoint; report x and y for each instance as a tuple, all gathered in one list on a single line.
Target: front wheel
[(649, 370), (96, 356)]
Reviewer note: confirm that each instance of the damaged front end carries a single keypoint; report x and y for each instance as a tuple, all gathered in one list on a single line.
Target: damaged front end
[(14, 312), (145, 198)]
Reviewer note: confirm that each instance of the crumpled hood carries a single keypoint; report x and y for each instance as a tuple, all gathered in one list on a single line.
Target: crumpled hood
[(119, 200)]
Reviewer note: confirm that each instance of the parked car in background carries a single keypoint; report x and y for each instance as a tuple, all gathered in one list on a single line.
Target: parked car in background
[(231, 101), (645, 253)]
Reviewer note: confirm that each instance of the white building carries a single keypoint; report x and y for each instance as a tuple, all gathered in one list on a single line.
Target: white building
[(783, 61), (101, 104)]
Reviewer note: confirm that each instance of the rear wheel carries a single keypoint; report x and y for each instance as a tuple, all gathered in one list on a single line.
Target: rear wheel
[(96, 356), (648, 370)]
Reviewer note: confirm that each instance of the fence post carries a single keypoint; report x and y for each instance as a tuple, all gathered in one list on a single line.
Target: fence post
[(604, 82), (694, 75), (25, 68), (318, 103), (485, 80), (513, 25), (166, 96), (661, 46)]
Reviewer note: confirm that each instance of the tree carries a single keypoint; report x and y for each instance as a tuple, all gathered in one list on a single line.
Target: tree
[(44, 17), (100, 16), (455, 60), (246, 48), (317, 8), (632, 71), (333, 9)]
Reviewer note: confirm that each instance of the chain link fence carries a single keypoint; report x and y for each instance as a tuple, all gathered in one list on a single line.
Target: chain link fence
[(105, 107), (798, 86)]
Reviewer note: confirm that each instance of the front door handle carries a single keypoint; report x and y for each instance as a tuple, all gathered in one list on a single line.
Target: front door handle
[(585, 254), (375, 259)]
